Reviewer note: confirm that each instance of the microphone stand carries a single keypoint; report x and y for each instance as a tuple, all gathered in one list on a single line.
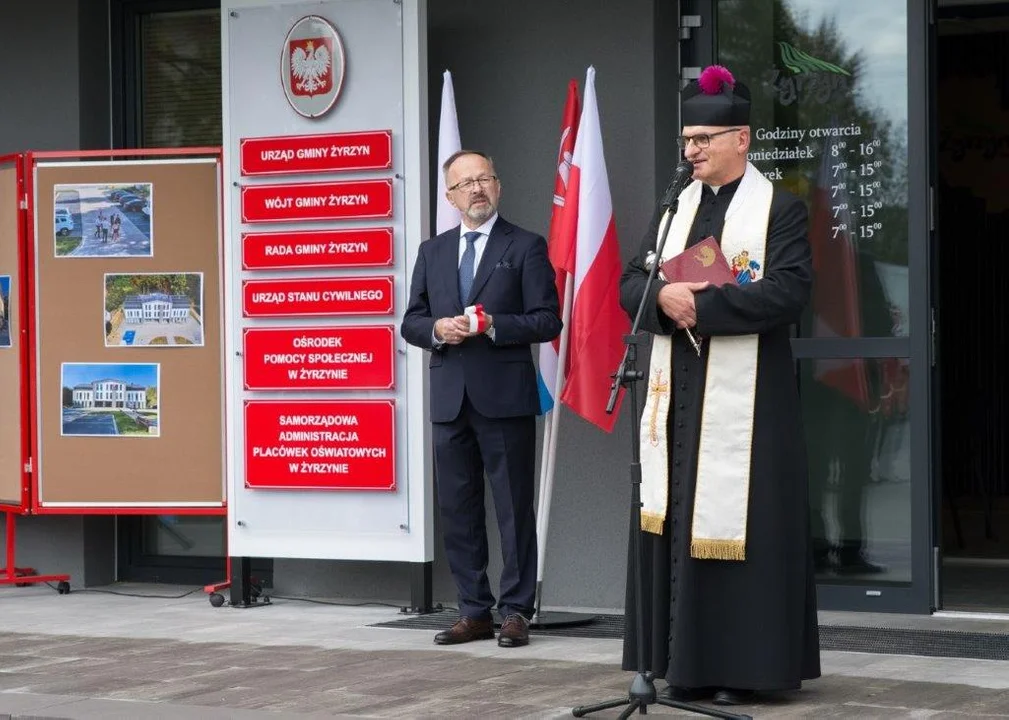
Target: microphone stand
[(642, 693)]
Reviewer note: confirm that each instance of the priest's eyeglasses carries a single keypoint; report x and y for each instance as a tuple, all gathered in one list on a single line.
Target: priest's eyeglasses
[(467, 185), (701, 140)]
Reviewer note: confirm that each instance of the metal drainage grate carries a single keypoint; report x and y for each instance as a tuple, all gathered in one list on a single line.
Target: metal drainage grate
[(932, 643), (892, 641)]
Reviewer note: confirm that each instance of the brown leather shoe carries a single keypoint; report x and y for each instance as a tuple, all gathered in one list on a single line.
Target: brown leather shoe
[(514, 632), (466, 629)]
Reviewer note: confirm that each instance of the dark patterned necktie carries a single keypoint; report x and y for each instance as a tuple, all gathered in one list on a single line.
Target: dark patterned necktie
[(466, 266)]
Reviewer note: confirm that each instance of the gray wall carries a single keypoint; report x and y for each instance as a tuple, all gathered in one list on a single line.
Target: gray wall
[(511, 63), (82, 547), (40, 92)]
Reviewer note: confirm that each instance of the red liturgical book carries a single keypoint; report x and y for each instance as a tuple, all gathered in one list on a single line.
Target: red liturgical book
[(703, 261)]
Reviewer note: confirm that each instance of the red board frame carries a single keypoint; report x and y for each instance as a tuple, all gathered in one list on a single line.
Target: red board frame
[(22, 274), (29, 161)]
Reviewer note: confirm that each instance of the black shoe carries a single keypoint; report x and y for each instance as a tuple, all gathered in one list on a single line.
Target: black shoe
[(728, 696), (685, 694)]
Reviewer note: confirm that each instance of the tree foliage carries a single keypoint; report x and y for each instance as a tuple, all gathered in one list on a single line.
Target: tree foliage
[(750, 40), (119, 287)]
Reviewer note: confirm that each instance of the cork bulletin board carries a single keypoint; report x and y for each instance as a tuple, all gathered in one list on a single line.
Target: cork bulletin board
[(11, 348), (128, 328)]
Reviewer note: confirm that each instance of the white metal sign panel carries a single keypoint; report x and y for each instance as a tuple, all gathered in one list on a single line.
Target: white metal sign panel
[(325, 145)]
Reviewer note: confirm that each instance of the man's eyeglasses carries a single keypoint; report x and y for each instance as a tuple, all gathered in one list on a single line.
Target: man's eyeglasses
[(701, 140), (467, 185)]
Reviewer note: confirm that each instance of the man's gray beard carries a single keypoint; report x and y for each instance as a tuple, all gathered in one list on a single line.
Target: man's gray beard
[(480, 216)]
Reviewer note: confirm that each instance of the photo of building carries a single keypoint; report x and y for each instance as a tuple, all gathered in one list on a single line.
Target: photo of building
[(110, 399), (5, 296), (110, 393), (149, 309), (155, 307)]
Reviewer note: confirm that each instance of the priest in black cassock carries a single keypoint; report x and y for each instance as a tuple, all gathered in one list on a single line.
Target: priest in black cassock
[(729, 593)]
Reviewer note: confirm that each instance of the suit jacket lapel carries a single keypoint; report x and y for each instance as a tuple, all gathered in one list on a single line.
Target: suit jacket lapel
[(497, 244), (448, 264)]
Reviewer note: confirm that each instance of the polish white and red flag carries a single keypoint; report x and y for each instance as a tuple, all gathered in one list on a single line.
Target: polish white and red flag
[(446, 216), (598, 323), (561, 249)]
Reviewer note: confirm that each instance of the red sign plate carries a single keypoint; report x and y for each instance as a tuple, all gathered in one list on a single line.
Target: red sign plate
[(351, 199), (333, 152), (320, 444), (336, 358), (299, 297), (317, 249)]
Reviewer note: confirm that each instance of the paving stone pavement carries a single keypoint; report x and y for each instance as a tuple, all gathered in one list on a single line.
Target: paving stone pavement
[(63, 676), (84, 656)]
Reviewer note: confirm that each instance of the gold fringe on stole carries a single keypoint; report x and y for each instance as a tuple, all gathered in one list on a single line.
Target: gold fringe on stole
[(652, 522), (707, 549)]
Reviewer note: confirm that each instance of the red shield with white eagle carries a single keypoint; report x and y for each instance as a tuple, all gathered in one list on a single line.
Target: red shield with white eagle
[(312, 66)]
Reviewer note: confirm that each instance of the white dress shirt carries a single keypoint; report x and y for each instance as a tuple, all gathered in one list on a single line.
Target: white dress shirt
[(479, 244)]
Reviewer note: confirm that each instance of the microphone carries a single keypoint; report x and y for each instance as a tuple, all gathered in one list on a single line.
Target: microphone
[(681, 178)]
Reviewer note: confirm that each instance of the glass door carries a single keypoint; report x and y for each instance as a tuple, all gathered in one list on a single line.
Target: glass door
[(839, 110), (971, 136)]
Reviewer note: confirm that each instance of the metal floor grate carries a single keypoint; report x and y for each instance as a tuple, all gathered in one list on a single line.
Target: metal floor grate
[(932, 643), (898, 641)]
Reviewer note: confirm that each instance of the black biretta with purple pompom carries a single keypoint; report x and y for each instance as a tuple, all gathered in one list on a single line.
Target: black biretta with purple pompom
[(715, 99)]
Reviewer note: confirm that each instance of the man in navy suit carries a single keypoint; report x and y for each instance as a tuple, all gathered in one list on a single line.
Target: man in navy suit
[(484, 398)]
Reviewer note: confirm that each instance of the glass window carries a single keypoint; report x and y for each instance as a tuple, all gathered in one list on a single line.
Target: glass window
[(856, 411), (183, 535), (179, 105), (829, 122), (180, 85)]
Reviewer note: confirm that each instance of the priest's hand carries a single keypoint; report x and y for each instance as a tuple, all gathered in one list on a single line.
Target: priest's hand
[(676, 300)]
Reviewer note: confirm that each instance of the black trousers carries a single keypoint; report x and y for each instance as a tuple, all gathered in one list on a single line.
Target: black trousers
[(504, 448)]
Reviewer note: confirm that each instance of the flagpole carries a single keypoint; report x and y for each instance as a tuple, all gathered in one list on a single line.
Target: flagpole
[(553, 358), (551, 425)]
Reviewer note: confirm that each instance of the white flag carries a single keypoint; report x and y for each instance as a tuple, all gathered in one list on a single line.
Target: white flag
[(448, 142)]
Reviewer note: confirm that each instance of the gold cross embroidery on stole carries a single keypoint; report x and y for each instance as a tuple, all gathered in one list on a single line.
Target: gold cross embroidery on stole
[(657, 389)]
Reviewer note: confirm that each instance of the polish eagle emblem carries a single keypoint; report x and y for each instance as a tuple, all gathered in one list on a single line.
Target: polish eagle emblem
[(705, 256), (311, 66)]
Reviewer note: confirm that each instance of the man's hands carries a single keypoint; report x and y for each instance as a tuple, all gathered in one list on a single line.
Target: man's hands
[(676, 300), (453, 330)]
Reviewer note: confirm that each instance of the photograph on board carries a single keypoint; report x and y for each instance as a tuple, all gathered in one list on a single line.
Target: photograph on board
[(104, 220), (110, 399), (153, 309), (5, 304)]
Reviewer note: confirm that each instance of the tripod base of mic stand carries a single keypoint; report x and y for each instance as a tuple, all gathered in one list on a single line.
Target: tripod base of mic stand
[(642, 694)]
